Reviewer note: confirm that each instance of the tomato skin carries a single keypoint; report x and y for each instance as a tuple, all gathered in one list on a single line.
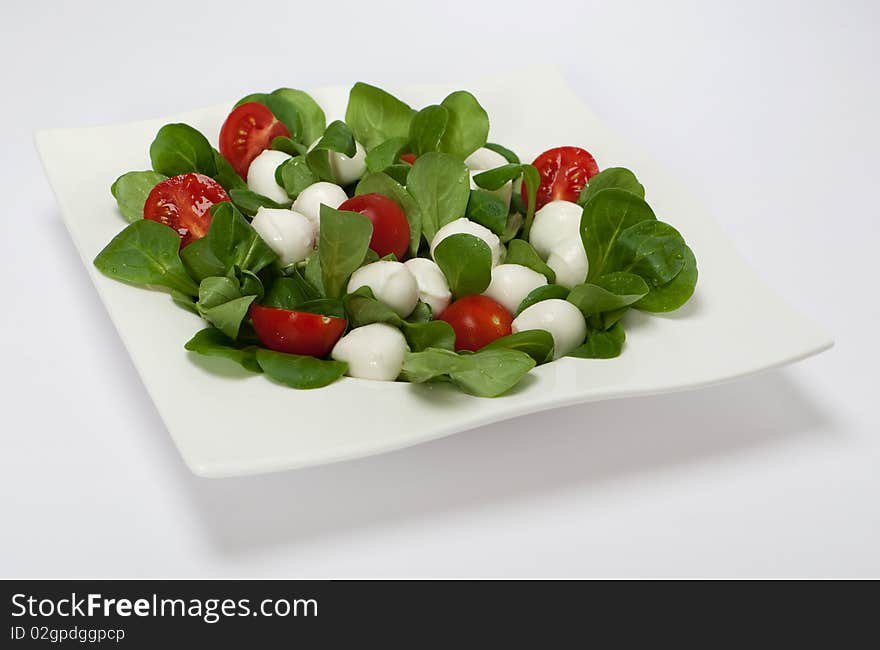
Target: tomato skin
[(184, 203), (246, 133), (564, 172), (477, 321), (296, 332), (408, 158), (390, 226)]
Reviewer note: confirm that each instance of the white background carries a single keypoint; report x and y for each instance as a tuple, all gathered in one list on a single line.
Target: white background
[(768, 111)]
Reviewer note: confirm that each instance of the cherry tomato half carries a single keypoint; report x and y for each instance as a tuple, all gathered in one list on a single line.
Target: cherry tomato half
[(183, 203), (296, 332), (246, 133), (477, 321), (408, 158), (390, 227), (564, 172)]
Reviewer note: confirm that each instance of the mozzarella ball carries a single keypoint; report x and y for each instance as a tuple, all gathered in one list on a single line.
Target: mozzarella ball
[(511, 283), (309, 201), (374, 351), (347, 170), (288, 233), (433, 287), (465, 225), (483, 159), (563, 320), (261, 176), (555, 222), (391, 282), (568, 259)]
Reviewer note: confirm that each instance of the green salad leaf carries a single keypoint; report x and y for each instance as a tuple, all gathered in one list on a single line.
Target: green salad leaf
[(131, 191), (547, 292), (487, 210), (494, 179), (213, 343), (509, 155), (226, 175), (295, 175), (376, 116), (249, 202), (427, 129), (467, 126), (609, 293), (466, 261), (234, 241), (311, 115), (611, 178), (676, 292), (431, 334), (601, 344), (651, 249), (288, 292), (144, 253), (184, 301), (180, 149), (384, 155), (538, 344), (486, 373), (222, 304), (288, 145), (345, 239), (439, 184), (337, 138), (298, 371), (606, 215), (521, 252)]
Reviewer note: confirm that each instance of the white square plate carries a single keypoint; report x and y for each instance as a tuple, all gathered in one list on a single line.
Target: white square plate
[(249, 425)]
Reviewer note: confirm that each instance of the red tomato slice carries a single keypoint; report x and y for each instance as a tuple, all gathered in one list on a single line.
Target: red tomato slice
[(408, 158), (477, 321), (248, 132), (390, 227), (183, 203), (564, 172), (296, 332)]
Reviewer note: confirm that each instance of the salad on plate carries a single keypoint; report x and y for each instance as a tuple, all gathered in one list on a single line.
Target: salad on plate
[(396, 245)]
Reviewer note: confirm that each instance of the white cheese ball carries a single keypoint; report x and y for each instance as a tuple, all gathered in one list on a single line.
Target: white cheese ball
[(261, 176), (483, 159), (433, 287), (347, 170), (511, 283), (465, 225), (374, 351), (391, 283), (563, 320), (556, 222), (568, 259), (310, 200), (288, 233)]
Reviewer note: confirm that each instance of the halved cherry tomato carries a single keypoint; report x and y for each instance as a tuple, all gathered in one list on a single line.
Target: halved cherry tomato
[(390, 227), (248, 132), (408, 158), (296, 332), (477, 321), (564, 172), (183, 203)]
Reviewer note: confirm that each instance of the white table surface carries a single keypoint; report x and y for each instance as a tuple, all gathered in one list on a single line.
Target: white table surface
[(767, 110)]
